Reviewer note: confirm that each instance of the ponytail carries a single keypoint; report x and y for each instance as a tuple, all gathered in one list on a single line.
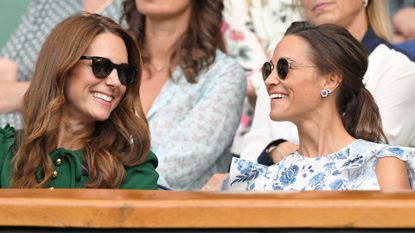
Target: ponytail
[(361, 117)]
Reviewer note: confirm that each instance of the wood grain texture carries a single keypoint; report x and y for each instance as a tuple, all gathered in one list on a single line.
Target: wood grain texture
[(168, 209)]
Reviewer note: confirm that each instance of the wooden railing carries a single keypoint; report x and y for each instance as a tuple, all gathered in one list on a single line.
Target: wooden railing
[(192, 210)]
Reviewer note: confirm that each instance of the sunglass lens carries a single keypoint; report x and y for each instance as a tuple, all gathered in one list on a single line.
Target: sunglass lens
[(101, 67), (282, 68), (126, 74), (266, 70), (132, 74)]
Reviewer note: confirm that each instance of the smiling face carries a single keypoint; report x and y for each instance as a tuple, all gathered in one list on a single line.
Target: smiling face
[(89, 99), (340, 12), (299, 94)]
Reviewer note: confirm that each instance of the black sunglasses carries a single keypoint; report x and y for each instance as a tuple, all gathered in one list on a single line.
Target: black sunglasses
[(102, 67), (283, 65)]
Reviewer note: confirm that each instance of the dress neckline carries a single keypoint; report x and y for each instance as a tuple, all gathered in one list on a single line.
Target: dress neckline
[(347, 147)]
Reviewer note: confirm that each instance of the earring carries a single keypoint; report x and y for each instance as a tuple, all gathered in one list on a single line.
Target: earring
[(365, 2), (324, 93)]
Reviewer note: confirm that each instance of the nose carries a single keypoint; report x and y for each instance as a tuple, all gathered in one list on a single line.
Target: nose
[(272, 79), (113, 79)]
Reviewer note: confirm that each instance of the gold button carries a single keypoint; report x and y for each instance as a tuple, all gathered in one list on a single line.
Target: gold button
[(58, 161), (55, 174), (51, 187)]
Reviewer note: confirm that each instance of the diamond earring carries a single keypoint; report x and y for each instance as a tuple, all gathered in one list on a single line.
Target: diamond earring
[(324, 93)]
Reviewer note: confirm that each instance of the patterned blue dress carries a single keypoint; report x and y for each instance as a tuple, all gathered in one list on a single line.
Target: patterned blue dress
[(352, 168)]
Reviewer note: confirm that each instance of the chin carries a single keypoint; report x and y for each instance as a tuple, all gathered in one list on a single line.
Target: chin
[(278, 118), (101, 117)]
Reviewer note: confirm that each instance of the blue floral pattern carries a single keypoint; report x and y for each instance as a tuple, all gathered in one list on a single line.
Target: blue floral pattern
[(352, 168), (288, 175)]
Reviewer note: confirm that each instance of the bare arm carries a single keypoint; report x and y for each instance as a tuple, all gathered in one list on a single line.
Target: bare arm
[(215, 182), (11, 95), (11, 91), (8, 70), (392, 174)]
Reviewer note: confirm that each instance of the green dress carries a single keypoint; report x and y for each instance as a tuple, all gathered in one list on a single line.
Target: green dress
[(69, 171)]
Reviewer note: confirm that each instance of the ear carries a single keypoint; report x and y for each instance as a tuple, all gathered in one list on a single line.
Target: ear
[(331, 82)]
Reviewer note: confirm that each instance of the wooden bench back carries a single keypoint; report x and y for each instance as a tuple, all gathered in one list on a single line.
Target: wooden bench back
[(168, 209)]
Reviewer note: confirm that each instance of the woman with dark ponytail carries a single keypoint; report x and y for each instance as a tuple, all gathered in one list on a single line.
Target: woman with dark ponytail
[(314, 80), (390, 78)]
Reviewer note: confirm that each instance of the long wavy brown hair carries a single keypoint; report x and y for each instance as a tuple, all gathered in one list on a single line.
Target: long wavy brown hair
[(335, 51), (121, 140), (196, 48)]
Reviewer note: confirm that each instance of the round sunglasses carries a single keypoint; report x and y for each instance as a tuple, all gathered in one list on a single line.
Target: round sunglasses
[(102, 68), (282, 68)]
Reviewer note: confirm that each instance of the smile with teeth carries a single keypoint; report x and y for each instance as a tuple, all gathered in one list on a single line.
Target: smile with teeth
[(278, 96), (102, 96)]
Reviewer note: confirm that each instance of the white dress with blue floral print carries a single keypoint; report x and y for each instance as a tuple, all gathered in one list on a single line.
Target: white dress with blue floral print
[(352, 168)]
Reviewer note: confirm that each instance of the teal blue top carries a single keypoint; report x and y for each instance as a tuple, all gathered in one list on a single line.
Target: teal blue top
[(69, 169)]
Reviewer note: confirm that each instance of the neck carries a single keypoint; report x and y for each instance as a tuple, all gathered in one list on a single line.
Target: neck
[(358, 26), (322, 134), (162, 34), (72, 133)]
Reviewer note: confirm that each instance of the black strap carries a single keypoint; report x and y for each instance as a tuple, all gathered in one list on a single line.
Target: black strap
[(264, 158)]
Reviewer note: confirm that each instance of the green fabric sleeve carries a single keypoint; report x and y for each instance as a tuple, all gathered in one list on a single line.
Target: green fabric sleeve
[(143, 176), (7, 139)]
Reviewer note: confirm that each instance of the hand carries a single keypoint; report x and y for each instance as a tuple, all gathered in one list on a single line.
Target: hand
[(404, 22), (8, 70), (11, 95), (215, 182), (282, 150)]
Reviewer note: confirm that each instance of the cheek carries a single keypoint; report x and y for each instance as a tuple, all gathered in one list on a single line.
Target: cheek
[(303, 96), (307, 91), (181, 4), (123, 91), (122, 94), (69, 88)]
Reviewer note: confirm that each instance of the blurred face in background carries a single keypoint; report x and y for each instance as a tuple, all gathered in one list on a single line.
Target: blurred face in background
[(343, 13)]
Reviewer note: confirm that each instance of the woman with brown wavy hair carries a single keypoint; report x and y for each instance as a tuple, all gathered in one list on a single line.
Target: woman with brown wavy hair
[(191, 91), (83, 122)]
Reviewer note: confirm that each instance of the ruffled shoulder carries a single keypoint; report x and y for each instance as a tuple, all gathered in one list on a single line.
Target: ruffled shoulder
[(403, 153), (244, 173), (7, 139)]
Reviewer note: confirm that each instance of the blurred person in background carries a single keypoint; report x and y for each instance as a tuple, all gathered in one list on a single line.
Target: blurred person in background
[(403, 19), (191, 92)]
